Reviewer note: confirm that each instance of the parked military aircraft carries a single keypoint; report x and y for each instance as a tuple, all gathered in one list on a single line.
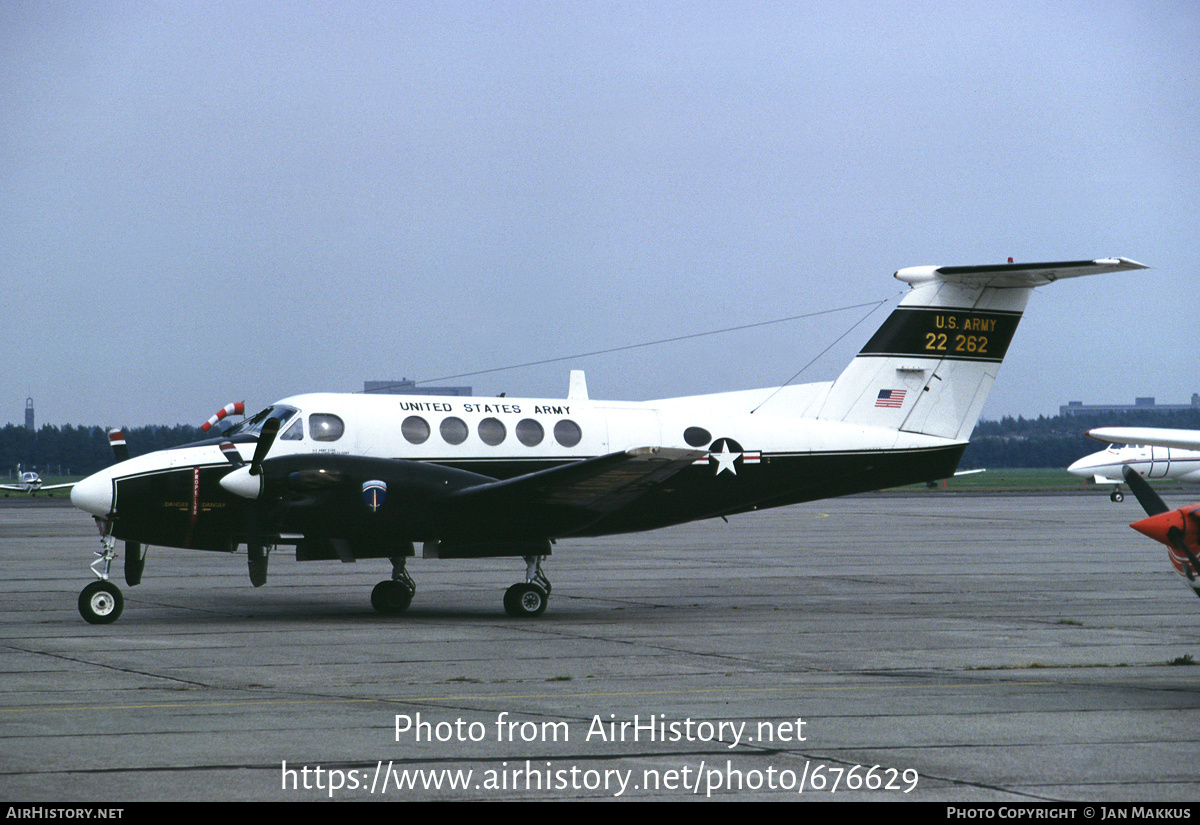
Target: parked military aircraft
[(1151, 451), (1178, 529), (353, 477), (30, 482)]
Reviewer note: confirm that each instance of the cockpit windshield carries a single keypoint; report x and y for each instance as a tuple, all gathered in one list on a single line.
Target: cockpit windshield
[(254, 425)]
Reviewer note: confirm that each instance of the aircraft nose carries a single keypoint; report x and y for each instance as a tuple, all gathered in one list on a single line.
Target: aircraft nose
[(94, 494), (1081, 467)]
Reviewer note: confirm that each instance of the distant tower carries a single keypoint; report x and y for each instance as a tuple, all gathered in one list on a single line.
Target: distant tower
[(29, 414)]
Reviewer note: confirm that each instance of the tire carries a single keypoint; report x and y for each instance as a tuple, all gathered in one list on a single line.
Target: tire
[(391, 597), (101, 603), (1117, 497), (525, 601)]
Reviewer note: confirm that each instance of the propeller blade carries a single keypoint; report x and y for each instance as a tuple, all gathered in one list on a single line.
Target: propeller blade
[(116, 440), (265, 439), (230, 451), (1151, 503), (257, 556), (135, 563)]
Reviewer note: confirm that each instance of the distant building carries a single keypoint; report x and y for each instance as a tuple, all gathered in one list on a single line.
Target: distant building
[(1144, 404), (407, 387), (29, 415)]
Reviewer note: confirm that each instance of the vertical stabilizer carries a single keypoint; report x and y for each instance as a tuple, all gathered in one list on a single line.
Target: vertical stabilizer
[(929, 368), (577, 390)]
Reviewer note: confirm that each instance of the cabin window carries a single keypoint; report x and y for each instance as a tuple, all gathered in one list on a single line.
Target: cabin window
[(697, 437), (415, 429), (325, 427), (529, 432), (492, 431), (453, 430), (567, 433)]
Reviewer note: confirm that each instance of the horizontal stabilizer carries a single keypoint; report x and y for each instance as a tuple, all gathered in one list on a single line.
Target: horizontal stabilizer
[(1015, 275)]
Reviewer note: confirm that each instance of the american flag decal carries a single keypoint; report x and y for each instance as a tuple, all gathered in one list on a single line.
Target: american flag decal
[(890, 398)]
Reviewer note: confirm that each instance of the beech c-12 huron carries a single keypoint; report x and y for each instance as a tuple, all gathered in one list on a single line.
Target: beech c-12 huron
[(352, 476)]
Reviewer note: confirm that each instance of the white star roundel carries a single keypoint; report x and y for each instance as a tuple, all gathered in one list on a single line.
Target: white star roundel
[(725, 452)]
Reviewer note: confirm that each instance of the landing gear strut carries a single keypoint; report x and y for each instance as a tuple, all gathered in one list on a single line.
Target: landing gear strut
[(393, 596), (528, 599), (101, 601)]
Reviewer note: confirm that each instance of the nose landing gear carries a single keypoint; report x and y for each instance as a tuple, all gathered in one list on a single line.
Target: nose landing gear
[(101, 601)]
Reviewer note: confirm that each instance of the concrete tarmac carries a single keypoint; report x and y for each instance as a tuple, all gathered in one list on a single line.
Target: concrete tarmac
[(902, 646)]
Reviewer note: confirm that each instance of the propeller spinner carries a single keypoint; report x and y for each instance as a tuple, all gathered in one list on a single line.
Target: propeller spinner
[(246, 480)]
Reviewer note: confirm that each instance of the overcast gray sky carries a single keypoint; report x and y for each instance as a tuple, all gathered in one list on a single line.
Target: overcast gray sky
[(208, 202)]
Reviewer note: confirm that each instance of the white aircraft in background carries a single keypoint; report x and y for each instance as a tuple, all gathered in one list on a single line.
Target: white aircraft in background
[(1151, 452), (350, 476), (30, 482)]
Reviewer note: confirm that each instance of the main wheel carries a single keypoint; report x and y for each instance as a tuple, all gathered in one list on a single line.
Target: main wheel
[(1116, 496), (525, 600), (101, 603), (391, 597)]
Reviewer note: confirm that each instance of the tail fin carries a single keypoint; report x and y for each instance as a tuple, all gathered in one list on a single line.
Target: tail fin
[(929, 368)]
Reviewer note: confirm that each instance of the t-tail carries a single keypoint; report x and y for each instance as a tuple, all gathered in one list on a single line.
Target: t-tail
[(929, 368)]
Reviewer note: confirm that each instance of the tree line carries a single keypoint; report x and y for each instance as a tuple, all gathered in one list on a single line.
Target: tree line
[(1059, 440), (79, 451), (1010, 442)]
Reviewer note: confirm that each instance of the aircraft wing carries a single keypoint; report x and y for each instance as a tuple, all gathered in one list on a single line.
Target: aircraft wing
[(25, 488), (1148, 436), (576, 494), (462, 505)]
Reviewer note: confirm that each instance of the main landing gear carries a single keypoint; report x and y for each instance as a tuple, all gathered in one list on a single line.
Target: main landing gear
[(1116, 496), (393, 596), (525, 599)]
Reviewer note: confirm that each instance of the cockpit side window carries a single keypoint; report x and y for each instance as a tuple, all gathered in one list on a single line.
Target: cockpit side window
[(294, 431), (253, 426), (325, 427)]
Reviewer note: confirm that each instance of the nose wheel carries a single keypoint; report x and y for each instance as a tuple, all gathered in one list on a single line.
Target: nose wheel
[(101, 603)]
